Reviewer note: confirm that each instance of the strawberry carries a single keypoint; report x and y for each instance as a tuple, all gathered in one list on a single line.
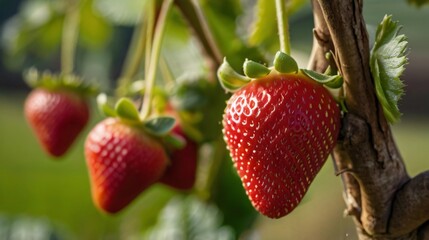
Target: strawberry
[(280, 129), (57, 117), (181, 172), (123, 160)]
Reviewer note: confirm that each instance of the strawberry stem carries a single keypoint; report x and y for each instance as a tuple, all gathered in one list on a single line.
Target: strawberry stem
[(149, 35), (154, 57), (133, 58), (166, 72), (69, 36), (283, 26)]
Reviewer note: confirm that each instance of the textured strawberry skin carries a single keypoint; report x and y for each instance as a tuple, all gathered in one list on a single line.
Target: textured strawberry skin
[(56, 117), (123, 161), (280, 130), (180, 174)]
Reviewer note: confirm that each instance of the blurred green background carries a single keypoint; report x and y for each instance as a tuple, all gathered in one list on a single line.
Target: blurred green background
[(53, 196)]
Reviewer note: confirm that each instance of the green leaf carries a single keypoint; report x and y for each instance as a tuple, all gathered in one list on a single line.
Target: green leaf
[(284, 63), (388, 59), (332, 81), (265, 23), (229, 79), (94, 30), (125, 109), (103, 105), (253, 69), (159, 126)]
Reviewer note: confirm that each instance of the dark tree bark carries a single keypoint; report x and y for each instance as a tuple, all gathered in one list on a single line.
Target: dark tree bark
[(380, 196)]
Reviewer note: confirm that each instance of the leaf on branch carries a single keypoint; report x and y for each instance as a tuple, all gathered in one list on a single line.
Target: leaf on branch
[(388, 60)]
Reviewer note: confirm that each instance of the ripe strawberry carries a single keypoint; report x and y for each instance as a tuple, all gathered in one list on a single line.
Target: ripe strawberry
[(279, 130), (57, 117), (181, 172), (123, 160)]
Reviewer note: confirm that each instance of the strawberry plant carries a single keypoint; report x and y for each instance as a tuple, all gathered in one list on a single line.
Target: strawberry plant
[(196, 136)]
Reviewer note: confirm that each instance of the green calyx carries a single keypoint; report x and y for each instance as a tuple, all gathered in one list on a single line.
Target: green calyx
[(283, 63), (53, 82), (253, 69), (232, 81), (332, 81), (127, 112)]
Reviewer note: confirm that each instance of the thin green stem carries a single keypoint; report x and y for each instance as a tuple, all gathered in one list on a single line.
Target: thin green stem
[(154, 57), (69, 36), (133, 58), (149, 34), (283, 26), (167, 75)]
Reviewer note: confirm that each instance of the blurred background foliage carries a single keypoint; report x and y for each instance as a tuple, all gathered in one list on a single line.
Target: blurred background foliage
[(51, 200)]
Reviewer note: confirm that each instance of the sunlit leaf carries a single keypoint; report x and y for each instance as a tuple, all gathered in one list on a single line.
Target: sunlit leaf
[(265, 22), (388, 60), (94, 29)]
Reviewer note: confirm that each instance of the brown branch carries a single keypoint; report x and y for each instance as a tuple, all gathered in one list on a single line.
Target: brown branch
[(374, 168), (192, 12), (411, 206)]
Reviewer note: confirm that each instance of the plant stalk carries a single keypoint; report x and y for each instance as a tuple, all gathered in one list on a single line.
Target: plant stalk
[(154, 58), (133, 58), (283, 26), (69, 36)]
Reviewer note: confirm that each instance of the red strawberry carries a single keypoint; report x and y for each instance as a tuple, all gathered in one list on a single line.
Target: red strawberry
[(123, 160), (181, 172), (279, 130), (57, 117)]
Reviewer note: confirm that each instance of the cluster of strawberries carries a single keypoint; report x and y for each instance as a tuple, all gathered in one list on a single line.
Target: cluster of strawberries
[(123, 159), (280, 125)]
